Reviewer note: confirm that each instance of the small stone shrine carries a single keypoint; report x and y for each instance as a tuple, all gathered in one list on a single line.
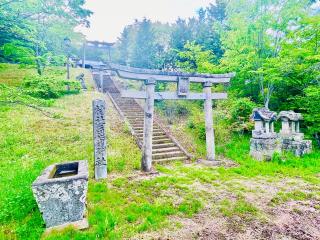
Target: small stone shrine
[(291, 137), (264, 142), (60, 192)]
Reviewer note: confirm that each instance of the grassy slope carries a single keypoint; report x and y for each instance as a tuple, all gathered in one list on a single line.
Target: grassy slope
[(124, 206)]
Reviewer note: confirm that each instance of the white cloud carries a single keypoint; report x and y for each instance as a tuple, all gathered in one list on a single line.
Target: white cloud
[(110, 16)]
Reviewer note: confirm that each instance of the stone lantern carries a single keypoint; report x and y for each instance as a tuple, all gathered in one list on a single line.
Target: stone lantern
[(291, 137), (264, 142)]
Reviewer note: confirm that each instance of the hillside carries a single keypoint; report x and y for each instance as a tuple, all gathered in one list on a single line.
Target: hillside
[(245, 200)]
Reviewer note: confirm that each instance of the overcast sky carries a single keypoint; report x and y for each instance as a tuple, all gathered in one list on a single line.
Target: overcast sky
[(110, 16)]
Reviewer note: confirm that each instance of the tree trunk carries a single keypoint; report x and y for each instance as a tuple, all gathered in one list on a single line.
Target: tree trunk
[(317, 137), (38, 63)]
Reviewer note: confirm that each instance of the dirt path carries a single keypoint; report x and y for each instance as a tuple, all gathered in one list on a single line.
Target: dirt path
[(276, 219)]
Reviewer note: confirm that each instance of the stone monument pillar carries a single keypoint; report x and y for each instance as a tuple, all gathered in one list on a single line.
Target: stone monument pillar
[(99, 139), (290, 136), (264, 142)]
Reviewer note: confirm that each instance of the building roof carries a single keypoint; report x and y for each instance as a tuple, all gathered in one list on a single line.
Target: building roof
[(291, 115), (263, 114)]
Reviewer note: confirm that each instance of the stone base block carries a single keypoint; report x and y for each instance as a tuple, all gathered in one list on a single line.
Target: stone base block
[(299, 148), (263, 149), (292, 136), (79, 225)]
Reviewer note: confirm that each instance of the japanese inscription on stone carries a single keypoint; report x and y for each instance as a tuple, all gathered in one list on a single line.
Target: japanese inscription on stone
[(99, 138), (183, 86)]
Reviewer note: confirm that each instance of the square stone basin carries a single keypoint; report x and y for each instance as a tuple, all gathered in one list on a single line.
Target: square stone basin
[(60, 192)]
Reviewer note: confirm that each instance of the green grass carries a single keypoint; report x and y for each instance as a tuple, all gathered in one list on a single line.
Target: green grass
[(12, 75), (239, 208), (305, 167), (124, 206), (296, 195)]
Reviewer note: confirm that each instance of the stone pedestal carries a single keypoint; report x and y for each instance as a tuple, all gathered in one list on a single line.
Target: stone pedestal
[(298, 147), (60, 192), (264, 147)]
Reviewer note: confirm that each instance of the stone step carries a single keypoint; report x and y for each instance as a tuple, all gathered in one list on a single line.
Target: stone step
[(140, 131), (164, 140), (136, 121), (167, 155), (159, 133), (133, 113), (165, 149), (140, 127), (132, 110), (173, 159), (163, 145), (135, 117), (155, 138), (133, 122), (131, 107)]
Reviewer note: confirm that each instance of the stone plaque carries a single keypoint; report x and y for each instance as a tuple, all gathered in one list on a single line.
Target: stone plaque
[(99, 138), (183, 86)]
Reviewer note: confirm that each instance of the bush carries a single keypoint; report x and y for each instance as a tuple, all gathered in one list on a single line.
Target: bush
[(236, 113), (49, 87), (309, 105)]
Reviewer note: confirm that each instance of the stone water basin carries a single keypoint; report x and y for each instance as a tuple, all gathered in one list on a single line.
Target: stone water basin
[(61, 192)]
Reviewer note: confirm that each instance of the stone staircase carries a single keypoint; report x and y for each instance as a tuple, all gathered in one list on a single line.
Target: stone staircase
[(165, 147)]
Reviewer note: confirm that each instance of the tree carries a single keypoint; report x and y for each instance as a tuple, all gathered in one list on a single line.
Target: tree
[(254, 41), (181, 34), (123, 46), (144, 50), (194, 59), (36, 29)]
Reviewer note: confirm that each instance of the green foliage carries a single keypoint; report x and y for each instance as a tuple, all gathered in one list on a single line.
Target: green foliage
[(33, 30), (48, 87), (235, 113), (18, 53), (297, 195), (310, 105), (239, 208), (145, 48), (193, 59), (25, 88)]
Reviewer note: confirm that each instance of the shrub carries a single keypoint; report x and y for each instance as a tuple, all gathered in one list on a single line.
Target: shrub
[(236, 113), (49, 87)]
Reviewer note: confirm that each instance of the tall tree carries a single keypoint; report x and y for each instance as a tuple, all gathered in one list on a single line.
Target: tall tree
[(37, 29), (123, 46), (144, 50), (181, 34), (254, 41)]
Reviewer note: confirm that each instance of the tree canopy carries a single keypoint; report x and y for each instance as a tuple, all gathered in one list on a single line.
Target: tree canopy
[(32, 31), (273, 46)]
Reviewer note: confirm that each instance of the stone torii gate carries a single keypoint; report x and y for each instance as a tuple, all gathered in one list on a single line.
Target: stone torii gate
[(183, 80)]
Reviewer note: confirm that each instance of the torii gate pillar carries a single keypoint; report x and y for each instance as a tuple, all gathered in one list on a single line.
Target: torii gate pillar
[(210, 145), (146, 162)]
